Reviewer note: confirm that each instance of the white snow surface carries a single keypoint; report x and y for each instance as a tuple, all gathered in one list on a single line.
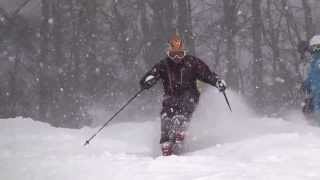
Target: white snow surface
[(221, 146)]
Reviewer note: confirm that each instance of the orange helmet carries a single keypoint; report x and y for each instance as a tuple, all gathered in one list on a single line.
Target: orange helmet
[(176, 43)]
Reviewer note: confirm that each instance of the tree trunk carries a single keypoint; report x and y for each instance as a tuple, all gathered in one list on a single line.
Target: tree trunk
[(230, 13), (88, 28), (75, 47), (257, 64), (184, 24), (161, 29), (43, 58), (309, 28), (13, 94)]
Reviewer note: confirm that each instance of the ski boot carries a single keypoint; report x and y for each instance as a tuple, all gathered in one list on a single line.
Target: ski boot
[(166, 148), (178, 146)]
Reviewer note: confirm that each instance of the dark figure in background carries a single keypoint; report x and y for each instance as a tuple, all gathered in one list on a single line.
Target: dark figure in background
[(179, 73)]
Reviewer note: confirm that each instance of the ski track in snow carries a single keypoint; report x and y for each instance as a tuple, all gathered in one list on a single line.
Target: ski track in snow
[(221, 146)]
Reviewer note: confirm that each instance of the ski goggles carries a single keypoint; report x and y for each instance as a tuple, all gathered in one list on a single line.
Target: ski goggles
[(315, 48), (176, 54)]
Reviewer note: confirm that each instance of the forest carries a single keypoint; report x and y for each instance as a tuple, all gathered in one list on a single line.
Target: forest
[(59, 58)]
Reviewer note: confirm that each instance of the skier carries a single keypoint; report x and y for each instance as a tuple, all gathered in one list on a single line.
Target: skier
[(179, 73), (311, 85)]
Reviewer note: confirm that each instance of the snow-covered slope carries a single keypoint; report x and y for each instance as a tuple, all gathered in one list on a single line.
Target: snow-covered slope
[(221, 146)]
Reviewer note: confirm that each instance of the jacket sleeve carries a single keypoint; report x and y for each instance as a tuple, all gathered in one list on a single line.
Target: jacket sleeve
[(151, 76), (205, 74), (313, 73)]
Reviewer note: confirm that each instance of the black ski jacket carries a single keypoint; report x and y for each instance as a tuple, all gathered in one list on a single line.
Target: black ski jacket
[(179, 79)]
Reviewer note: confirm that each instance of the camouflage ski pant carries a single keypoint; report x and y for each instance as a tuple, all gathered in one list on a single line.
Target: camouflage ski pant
[(175, 117)]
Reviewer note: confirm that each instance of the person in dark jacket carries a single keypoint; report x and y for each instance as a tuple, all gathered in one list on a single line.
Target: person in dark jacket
[(179, 73)]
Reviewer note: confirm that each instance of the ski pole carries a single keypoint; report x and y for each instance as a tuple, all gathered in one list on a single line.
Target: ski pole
[(114, 115), (226, 98)]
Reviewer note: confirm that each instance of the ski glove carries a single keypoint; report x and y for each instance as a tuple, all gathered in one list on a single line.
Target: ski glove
[(148, 82), (221, 85)]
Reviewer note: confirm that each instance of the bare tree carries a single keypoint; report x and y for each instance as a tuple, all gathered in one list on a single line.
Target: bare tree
[(309, 27), (43, 82), (230, 17), (184, 24), (257, 64)]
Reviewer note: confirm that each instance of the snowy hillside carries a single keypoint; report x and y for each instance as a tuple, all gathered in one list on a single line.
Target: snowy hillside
[(221, 146)]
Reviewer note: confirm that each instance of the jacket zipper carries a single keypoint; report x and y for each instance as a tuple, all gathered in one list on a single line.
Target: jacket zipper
[(170, 78), (181, 71)]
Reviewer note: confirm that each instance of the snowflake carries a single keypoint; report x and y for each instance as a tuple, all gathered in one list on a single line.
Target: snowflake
[(279, 79), (11, 58), (60, 70), (50, 20)]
